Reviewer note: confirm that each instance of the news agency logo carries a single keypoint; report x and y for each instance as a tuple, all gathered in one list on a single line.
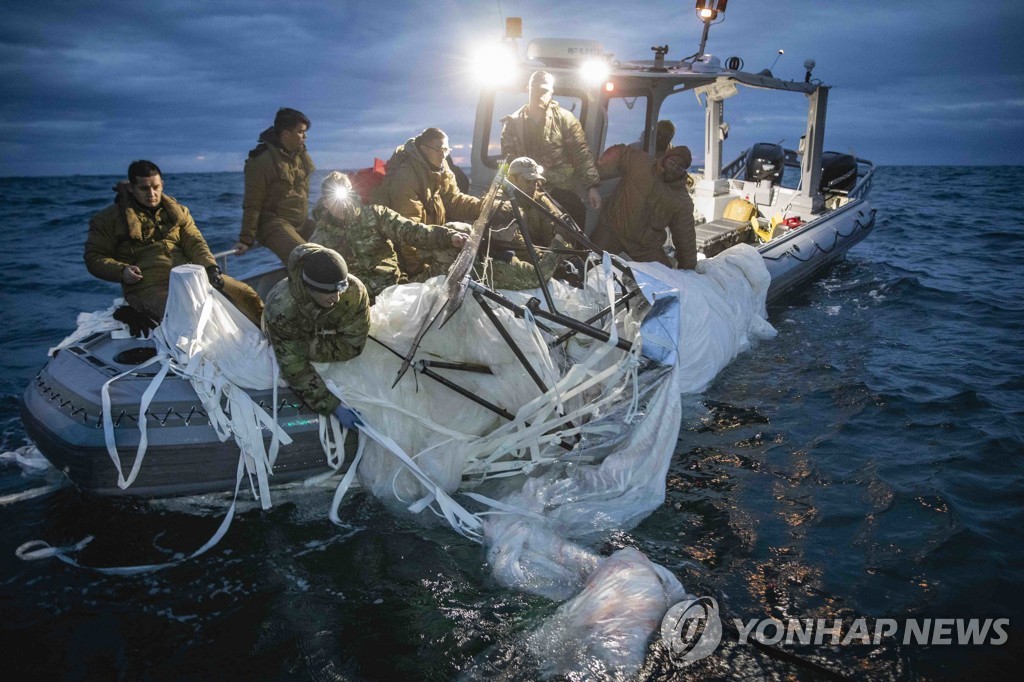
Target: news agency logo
[(692, 629), (837, 632)]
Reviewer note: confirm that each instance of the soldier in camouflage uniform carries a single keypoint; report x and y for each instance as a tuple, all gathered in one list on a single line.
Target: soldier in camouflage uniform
[(142, 235), (526, 175), (374, 235), (320, 313), (552, 136), (276, 202)]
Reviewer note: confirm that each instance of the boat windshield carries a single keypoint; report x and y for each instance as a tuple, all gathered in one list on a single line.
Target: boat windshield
[(627, 117)]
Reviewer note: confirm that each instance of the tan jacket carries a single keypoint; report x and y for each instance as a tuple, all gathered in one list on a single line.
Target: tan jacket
[(642, 207), (418, 192), (125, 233), (561, 147), (276, 187)]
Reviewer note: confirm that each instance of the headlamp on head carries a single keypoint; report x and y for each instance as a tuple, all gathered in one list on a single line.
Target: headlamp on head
[(337, 187), (340, 193), (322, 288), (339, 197)]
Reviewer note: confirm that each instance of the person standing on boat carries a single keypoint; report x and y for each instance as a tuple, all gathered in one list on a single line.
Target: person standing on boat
[(374, 239), (142, 235), (651, 197), (420, 185), (275, 206), (547, 133), (320, 313)]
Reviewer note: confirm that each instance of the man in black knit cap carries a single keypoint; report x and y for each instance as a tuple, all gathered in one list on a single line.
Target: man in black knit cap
[(320, 313)]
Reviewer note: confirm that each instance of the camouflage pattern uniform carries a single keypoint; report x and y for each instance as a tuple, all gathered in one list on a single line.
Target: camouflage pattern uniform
[(634, 218), (302, 332), (370, 243), (376, 239), (538, 225), (276, 201), (155, 240)]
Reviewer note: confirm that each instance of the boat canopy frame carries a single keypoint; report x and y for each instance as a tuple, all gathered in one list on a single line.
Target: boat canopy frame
[(645, 78)]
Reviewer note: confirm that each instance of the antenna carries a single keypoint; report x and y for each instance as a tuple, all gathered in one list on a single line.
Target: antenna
[(768, 72), (809, 65)]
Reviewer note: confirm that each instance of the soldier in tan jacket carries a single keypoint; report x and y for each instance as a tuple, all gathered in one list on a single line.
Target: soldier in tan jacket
[(276, 203), (651, 197), (420, 185), (138, 239)]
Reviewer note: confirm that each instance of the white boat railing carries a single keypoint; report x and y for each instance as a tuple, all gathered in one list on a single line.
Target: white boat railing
[(222, 259), (865, 172), (864, 180)]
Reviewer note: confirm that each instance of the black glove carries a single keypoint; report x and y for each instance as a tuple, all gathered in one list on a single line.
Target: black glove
[(504, 256), (216, 279), (571, 270), (139, 323)]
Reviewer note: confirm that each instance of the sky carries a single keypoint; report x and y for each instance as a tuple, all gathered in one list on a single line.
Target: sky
[(89, 86)]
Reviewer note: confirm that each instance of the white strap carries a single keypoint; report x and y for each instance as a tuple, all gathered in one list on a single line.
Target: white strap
[(464, 522), (34, 550), (108, 423), (345, 484)]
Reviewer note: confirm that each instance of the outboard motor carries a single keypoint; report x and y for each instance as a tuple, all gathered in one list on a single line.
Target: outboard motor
[(838, 172), (765, 161)]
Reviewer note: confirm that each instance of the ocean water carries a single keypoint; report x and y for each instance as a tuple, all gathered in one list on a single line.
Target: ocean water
[(866, 463)]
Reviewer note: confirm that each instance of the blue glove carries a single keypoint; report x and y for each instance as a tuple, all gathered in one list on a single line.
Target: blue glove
[(348, 417)]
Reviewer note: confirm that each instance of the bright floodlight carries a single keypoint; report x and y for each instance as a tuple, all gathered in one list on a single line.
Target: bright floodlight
[(494, 65), (710, 9), (594, 71)]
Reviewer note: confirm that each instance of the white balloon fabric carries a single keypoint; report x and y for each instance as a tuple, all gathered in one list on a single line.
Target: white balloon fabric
[(626, 424)]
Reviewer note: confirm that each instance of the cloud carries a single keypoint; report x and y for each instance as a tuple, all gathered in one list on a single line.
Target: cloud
[(90, 85)]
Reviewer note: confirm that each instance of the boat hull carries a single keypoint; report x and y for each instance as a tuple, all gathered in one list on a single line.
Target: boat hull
[(62, 413), (802, 254)]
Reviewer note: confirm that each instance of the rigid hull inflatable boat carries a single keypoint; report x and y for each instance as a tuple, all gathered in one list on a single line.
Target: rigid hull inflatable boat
[(801, 210)]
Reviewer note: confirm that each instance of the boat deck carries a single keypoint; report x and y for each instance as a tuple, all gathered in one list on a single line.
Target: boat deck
[(718, 235)]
